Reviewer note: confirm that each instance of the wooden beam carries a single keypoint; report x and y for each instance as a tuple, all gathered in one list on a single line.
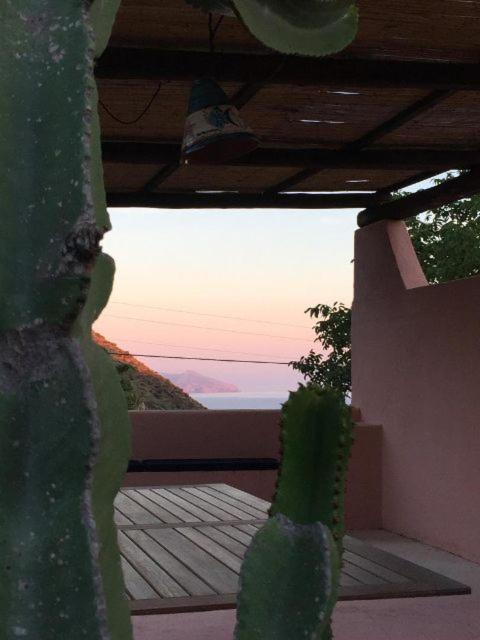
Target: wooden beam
[(378, 132), (162, 175), (157, 65), (239, 200), (386, 192), (462, 187), (387, 159)]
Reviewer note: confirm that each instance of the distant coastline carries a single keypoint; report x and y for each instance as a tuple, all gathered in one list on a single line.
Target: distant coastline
[(242, 400)]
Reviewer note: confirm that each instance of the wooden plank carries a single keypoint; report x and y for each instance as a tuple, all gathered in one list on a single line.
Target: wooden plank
[(213, 510), (216, 550), (347, 581), (134, 511), (192, 584), (239, 200), (161, 499), (375, 568), (253, 512), (161, 65), (121, 520), (243, 496), (230, 508), (413, 572), (138, 588), (235, 533), (236, 547), (144, 498), (218, 576), (183, 605), (227, 505), (174, 496), (364, 577), (179, 525), (247, 528), (454, 189), (163, 584), (204, 558)]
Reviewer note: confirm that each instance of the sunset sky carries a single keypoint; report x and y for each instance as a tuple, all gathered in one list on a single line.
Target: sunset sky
[(180, 274)]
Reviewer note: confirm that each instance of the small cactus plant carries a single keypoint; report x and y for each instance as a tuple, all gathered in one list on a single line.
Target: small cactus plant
[(64, 426), (290, 576)]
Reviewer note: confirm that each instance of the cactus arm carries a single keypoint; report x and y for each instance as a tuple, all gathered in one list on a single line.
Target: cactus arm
[(290, 577), (288, 582), (316, 440), (60, 575)]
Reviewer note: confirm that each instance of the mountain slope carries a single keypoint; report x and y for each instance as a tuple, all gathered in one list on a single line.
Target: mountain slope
[(194, 382), (145, 388)]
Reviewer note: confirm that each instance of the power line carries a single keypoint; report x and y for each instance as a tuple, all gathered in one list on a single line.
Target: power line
[(144, 355), (211, 315), (193, 326), (184, 346)]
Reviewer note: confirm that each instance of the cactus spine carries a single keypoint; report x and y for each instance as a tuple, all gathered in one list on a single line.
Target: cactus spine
[(290, 576), (63, 421)]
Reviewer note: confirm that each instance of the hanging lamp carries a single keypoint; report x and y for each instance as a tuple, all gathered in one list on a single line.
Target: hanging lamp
[(214, 130)]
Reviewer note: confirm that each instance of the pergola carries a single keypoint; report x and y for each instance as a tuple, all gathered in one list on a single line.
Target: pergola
[(397, 106)]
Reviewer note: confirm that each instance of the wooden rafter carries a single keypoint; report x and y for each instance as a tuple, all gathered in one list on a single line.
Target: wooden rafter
[(465, 185), (238, 200), (378, 132), (384, 194), (383, 159), (157, 65)]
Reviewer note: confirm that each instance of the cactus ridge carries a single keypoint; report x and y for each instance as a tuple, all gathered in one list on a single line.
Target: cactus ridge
[(63, 420), (317, 436)]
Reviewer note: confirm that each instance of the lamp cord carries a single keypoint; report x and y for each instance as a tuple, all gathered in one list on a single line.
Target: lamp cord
[(138, 118), (212, 31)]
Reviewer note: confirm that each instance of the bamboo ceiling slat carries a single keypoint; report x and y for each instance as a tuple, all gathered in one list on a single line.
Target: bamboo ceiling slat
[(243, 179), (276, 112), (353, 180), (172, 24), (123, 178), (455, 122), (165, 120), (447, 30), (428, 30)]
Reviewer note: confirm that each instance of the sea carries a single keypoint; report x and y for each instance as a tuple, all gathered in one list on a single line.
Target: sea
[(241, 400)]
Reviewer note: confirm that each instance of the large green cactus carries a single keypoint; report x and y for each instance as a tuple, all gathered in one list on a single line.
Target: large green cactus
[(306, 27), (63, 420), (290, 576)]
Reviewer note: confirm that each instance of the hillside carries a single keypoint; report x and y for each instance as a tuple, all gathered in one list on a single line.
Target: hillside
[(194, 382), (145, 388)]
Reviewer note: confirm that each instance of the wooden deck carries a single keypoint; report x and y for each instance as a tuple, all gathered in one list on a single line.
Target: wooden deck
[(182, 548)]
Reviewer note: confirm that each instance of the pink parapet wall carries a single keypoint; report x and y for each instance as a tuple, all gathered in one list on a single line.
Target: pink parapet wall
[(248, 434), (416, 371)]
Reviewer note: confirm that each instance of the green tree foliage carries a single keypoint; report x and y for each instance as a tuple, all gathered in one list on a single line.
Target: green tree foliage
[(332, 331), (447, 242)]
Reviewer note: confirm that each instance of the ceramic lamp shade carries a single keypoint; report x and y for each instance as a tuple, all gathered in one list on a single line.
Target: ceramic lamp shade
[(214, 130)]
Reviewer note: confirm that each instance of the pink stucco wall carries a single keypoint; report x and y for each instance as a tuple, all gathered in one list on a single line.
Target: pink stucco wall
[(416, 371), (246, 434)]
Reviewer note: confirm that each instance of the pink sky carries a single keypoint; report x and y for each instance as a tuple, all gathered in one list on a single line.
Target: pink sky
[(172, 267)]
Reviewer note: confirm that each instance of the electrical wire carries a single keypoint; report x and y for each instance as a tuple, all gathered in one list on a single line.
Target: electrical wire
[(194, 326), (184, 346), (210, 315), (138, 118), (144, 355)]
